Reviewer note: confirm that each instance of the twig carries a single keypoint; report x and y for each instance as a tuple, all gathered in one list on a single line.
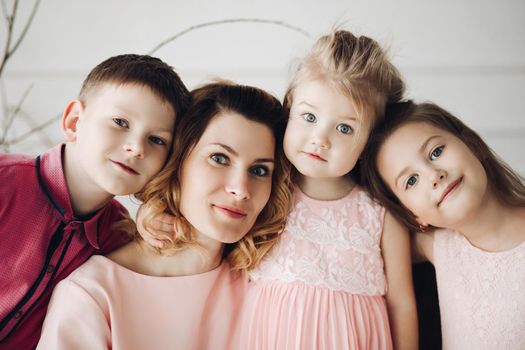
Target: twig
[(226, 21), (11, 118), (26, 28), (34, 130)]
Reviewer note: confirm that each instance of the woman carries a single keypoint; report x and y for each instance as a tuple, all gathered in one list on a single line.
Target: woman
[(226, 185)]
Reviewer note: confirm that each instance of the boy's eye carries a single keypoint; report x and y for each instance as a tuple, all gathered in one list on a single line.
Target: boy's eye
[(157, 140), (411, 181), (121, 122), (219, 158), (436, 152), (309, 117), (259, 170), (344, 128)]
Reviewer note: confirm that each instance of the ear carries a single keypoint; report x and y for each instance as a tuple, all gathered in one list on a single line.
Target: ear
[(70, 119), (423, 226)]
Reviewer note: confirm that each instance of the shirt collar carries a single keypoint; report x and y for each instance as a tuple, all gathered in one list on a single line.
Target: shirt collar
[(50, 172)]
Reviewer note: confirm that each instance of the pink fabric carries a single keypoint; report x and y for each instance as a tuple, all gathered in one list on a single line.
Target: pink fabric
[(34, 208), (103, 305), (322, 285), (481, 294)]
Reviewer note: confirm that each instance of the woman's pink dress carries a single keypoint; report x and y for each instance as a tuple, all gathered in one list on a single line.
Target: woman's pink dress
[(322, 286)]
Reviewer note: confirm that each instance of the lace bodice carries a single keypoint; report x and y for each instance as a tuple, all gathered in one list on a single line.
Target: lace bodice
[(481, 294), (334, 244)]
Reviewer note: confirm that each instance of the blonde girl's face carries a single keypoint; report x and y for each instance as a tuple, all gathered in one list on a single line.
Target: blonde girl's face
[(227, 178), (433, 173), (324, 136)]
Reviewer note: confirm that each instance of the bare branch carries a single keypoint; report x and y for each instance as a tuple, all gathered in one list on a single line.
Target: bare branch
[(225, 21), (26, 28), (11, 118), (34, 130), (10, 22)]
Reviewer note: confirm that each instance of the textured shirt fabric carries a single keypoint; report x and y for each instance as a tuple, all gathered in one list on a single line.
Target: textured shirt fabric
[(42, 242), (322, 285), (103, 305), (481, 294)]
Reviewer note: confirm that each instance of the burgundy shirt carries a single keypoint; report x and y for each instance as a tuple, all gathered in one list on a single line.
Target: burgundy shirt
[(41, 241)]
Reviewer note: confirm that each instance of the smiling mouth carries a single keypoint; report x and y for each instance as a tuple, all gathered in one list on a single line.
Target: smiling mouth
[(231, 212), (126, 168), (450, 190), (315, 156)]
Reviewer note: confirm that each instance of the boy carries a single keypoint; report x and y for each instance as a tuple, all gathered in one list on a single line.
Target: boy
[(58, 209)]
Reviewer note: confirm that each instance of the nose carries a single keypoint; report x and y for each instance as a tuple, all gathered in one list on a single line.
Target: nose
[(437, 176), (135, 148), (237, 185), (319, 138)]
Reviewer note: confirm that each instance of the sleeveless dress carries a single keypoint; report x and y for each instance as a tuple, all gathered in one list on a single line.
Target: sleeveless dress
[(322, 286), (481, 294)]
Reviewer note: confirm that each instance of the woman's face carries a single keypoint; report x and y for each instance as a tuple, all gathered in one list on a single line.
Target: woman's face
[(226, 179)]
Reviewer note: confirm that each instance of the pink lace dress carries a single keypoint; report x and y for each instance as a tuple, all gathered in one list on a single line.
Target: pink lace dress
[(481, 294), (322, 285)]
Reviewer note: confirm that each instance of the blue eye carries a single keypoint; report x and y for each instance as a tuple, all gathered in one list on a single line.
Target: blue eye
[(258, 170), (157, 140), (121, 122), (411, 181), (219, 158), (436, 152), (344, 128), (309, 117)]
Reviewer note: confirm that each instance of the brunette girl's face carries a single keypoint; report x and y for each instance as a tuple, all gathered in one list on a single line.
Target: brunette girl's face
[(433, 173), (226, 179)]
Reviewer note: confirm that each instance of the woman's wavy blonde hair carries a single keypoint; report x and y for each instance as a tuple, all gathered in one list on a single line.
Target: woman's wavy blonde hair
[(162, 194)]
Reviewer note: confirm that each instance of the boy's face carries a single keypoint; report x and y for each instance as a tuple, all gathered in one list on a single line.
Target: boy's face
[(433, 173), (324, 136), (122, 139)]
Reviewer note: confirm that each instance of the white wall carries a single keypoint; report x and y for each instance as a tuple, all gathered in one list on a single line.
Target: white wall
[(468, 56)]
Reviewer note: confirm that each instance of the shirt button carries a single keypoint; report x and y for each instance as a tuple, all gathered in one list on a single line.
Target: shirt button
[(50, 269), (17, 315)]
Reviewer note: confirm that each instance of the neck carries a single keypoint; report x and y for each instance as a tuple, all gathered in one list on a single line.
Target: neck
[(495, 226), (325, 188), (144, 259), (85, 196)]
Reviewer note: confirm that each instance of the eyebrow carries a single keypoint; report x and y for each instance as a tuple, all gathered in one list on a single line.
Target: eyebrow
[(235, 153), (424, 145), (341, 117)]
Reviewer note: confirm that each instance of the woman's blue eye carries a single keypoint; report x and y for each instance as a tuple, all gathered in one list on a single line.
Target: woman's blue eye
[(436, 152), (344, 128), (309, 117), (157, 140), (121, 122), (411, 181), (261, 171), (219, 158)]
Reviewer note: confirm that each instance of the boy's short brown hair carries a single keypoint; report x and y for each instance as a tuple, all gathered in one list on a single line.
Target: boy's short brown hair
[(143, 70)]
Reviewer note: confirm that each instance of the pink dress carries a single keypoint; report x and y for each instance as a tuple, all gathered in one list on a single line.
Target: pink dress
[(103, 305), (481, 294), (322, 286)]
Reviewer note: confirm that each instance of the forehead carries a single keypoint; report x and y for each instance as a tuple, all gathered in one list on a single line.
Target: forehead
[(235, 130), (323, 95)]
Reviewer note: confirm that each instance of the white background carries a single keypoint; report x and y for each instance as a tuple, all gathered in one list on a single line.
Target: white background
[(468, 56)]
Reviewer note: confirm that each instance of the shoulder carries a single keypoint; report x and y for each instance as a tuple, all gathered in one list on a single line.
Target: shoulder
[(14, 166)]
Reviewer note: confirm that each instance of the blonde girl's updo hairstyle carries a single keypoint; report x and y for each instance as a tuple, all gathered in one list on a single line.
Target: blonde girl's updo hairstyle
[(162, 194), (358, 67)]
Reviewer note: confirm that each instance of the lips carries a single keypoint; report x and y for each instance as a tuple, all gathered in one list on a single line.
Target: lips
[(126, 168), (230, 211), (315, 156), (450, 190)]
